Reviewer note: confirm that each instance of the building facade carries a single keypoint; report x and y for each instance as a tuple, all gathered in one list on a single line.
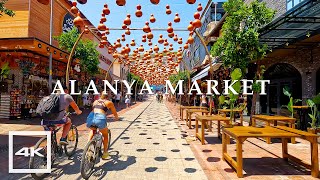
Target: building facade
[(294, 59)]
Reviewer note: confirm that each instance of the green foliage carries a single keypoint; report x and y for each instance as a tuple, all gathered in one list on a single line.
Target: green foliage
[(4, 71), (314, 113), (239, 43), (292, 101), (131, 77), (316, 99), (236, 75), (182, 75), (85, 51), (4, 10)]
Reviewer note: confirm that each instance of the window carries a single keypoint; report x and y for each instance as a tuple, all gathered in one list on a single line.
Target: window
[(292, 3)]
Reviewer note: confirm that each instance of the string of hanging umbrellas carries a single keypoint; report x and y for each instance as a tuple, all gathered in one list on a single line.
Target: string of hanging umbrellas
[(150, 64)]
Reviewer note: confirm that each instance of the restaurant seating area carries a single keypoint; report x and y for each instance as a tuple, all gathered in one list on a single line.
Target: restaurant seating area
[(265, 128)]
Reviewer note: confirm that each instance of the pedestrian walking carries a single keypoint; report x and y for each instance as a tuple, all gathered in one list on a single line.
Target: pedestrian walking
[(127, 100)]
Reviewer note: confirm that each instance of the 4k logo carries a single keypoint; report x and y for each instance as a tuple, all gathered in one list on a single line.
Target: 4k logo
[(29, 151)]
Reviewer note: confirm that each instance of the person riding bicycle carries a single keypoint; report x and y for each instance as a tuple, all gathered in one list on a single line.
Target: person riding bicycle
[(98, 118), (66, 100)]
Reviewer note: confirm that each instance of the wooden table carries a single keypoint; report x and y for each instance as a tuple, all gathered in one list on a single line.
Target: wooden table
[(191, 111), (302, 113), (225, 111), (189, 107), (240, 134), (204, 119), (274, 119)]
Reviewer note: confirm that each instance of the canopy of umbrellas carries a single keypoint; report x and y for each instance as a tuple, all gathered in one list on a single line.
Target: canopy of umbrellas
[(149, 63)]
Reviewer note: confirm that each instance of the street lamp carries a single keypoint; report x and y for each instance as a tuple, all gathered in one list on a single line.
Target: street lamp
[(78, 22)]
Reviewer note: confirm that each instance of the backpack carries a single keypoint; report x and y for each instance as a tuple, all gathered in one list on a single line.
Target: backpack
[(49, 107)]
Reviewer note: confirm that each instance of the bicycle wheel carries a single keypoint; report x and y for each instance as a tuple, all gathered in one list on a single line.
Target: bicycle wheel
[(37, 162), (72, 140), (88, 159)]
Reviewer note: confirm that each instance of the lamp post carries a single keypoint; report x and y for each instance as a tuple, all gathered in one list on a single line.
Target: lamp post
[(85, 31)]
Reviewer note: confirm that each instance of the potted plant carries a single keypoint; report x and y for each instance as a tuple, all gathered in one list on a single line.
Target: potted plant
[(314, 117), (291, 100)]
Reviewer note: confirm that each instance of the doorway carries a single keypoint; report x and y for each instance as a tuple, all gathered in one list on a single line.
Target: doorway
[(281, 75)]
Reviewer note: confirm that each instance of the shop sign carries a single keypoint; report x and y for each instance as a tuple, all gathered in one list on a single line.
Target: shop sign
[(67, 23)]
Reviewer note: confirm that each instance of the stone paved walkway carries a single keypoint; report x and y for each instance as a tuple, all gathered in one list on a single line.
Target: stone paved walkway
[(146, 144)]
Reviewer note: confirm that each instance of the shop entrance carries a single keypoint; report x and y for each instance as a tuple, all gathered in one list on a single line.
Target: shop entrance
[(280, 75)]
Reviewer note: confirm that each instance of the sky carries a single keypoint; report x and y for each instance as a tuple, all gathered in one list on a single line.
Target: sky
[(93, 9)]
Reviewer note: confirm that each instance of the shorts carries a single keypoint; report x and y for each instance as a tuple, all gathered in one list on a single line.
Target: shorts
[(97, 119), (127, 101)]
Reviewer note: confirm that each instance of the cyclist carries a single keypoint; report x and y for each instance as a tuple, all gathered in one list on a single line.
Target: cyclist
[(66, 100), (98, 118)]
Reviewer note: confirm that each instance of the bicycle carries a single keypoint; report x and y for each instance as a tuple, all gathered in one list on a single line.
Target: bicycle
[(92, 152), (56, 148)]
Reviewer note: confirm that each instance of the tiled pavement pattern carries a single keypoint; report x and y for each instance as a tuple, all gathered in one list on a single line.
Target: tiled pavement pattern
[(261, 160), (146, 144)]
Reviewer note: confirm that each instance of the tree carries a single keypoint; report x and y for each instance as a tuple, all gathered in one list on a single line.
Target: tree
[(239, 44), (4, 10), (138, 81), (4, 71), (85, 51)]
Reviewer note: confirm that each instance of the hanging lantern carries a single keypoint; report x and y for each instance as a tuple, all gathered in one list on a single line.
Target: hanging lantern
[(197, 23), (139, 12), (156, 48), (103, 18), (165, 43), (191, 1), (171, 35), (180, 41), (127, 21), (78, 21), (175, 38), (149, 43), (121, 2), (144, 38), (102, 27), (106, 9), (150, 35), (177, 18), (141, 49), (155, 1), (186, 46), (190, 27), (127, 48), (196, 15), (168, 11), (128, 31), (45, 2), (107, 31), (124, 26), (169, 29), (146, 28), (101, 45), (133, 43), (123, 37), (74, 8), (152, 19), (170, 48), (115, 55), (82, 1), (160, 40), (199, 8), (190, 40)]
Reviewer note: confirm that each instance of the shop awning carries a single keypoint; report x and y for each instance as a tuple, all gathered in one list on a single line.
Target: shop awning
[(205, 71), (34, 45), (295, 25)]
